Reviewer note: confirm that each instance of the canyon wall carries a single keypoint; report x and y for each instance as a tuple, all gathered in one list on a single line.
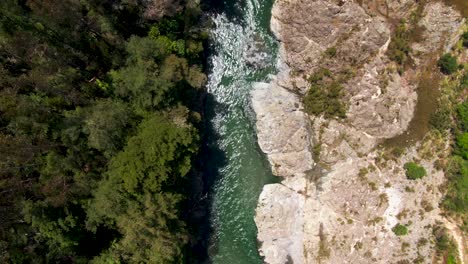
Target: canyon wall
[(341, 192)]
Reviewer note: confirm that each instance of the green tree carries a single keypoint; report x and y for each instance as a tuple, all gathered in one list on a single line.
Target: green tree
[(77, 79), (107, 125), (144, 82), (140, 195)]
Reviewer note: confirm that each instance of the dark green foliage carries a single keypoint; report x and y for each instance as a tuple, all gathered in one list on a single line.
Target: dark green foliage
[(462, 112), (414, 171), (325, 96), (462, 145), (95, 137), (464, 82), (456, 199), (107, 124), (447, 64), (151, 77), (400, 230), (465, 39), (138, 194), (445, 245)]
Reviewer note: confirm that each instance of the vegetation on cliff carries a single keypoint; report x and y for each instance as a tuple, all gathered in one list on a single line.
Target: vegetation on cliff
[(399, 48), (447, 64), (98, 117), (451, 119), (414, 171), (325, 95)]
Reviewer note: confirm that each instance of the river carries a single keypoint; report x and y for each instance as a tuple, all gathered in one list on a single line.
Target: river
[(242, 52)]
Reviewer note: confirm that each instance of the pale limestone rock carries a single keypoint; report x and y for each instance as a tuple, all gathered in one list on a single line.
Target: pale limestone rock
[(442, 26), (282, 129), (281, 240), (343, 212)]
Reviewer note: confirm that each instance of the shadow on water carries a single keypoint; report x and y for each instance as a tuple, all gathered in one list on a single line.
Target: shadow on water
[(231, 8), (211, 159), (230, 171), (207, 165)]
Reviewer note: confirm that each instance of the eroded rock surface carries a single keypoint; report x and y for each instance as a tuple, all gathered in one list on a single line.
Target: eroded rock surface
[(342, 209), (282, 127)]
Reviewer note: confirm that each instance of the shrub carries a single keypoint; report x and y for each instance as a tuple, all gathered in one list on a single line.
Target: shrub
[(400, 230), (465, 39), (456, 199), (445, 245), (324, 95), (462, 112), (464, 81), (320, 75), (399, 48), (330, 52), (325, 99), (441, 118), (414, 171), (462, 145), (447, 64)]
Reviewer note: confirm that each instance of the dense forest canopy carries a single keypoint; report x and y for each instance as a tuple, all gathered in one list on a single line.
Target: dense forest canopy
[(99, 125)]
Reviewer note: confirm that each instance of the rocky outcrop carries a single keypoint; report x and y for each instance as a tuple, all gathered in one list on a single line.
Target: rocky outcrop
[(282, 129), (341, 208)]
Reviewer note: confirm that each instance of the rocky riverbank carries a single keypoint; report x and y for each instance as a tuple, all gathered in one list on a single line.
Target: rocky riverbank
[(341, 193)]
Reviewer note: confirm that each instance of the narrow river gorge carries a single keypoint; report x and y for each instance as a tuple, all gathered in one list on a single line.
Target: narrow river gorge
[(242, 52)]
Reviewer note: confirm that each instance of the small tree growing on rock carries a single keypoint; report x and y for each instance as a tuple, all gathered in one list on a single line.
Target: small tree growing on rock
[(465, 39), (414, 171), (400, 230), (447, 64)]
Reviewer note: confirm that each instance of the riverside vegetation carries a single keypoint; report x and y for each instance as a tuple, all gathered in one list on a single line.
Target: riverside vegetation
[(99, 125), (451, 119)]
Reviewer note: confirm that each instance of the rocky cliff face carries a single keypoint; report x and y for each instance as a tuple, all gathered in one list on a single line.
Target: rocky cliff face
[(341, 194)]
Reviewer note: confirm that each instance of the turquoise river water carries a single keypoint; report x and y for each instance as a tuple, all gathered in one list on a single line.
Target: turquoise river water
[(243, 52)]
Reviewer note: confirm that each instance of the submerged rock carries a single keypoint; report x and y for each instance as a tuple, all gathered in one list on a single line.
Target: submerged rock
[(256, 52)]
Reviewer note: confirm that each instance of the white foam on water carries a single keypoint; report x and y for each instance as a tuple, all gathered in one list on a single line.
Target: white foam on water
[(235, 192)]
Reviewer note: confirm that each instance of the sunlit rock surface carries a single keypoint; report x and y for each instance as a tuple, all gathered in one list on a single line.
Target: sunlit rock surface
[(342, 209)]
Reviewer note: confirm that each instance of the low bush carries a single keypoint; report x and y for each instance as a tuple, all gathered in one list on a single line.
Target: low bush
[(445, 245), (399, 47), (462, 114), (447, 64), (462, 145), (465, 39), (324, 96), (400, 230), (414, 171), (456, 199), (441, 119)]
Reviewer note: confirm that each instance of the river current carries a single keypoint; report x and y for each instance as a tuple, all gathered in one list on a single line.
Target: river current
[(243, 52)]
